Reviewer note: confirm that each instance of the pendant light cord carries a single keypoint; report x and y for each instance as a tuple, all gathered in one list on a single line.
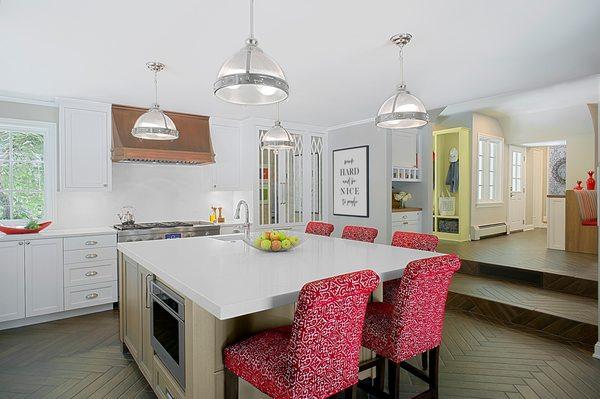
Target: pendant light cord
[(156, 88), (401, 56), (251, 19)]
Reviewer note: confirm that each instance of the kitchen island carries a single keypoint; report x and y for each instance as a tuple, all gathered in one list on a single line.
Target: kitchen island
[(230, 291)]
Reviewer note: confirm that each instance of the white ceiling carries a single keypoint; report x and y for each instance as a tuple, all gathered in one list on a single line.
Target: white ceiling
[(335, 53)]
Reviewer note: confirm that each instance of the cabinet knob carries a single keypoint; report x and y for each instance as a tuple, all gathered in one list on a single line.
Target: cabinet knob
[(93, 295), (105, 185), (91, 256), (20, 242), (91, 242), (91, 273), (27, 242)]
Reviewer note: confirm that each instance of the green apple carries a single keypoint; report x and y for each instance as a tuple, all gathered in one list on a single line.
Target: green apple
[(265, 244), (257, 242), (266, 235), (282, 236), (286, 244), (294, 240)]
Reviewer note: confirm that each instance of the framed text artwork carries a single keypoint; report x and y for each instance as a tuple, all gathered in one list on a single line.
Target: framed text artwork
[(351, 181)]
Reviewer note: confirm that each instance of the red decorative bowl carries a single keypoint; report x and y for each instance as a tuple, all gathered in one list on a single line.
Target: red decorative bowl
[(22, 229)]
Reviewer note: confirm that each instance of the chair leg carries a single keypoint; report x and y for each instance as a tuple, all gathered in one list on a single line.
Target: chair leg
[(434, 369), (424, 360), (380, 373), (394, 379), (350, 393), (231, 385)]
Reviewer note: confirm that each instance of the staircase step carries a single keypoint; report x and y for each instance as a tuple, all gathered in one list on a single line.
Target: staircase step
[(571, 317)]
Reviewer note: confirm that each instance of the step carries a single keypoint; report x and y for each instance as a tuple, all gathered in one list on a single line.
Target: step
[(570, 316)]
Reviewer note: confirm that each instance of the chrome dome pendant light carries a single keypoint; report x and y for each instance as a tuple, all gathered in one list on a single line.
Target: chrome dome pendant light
[(402, 110), (155, 124), (277, 138), (250, 77)]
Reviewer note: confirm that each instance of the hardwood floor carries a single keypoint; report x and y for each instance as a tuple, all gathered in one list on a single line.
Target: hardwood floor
[(525, 250), (81, 358), (73, 358)]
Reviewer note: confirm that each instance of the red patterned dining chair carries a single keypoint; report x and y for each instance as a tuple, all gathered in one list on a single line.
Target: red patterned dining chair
[(412, 324), (318, 355), (360, 233), (319, 228), (405, 239)]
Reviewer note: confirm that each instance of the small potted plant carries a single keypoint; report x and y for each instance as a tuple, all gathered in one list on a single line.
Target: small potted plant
[(402, 197)]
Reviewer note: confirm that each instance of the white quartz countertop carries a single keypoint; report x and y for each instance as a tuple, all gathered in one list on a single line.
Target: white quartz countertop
[(230, 279), (58, 233)]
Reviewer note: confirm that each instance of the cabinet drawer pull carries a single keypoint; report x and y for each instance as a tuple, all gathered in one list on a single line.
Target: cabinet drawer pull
[(91, 242), (91, 256), (92, 273), (93, 295)]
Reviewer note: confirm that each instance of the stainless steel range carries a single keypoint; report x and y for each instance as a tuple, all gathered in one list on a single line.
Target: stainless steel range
[(164, 230)]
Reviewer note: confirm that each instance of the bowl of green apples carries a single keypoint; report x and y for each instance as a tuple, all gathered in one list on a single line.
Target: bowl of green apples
[(273, 240)]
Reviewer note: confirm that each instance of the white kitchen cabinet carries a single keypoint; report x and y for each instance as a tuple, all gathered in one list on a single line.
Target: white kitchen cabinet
[(407, 221), (555, 210), (84, 142), (43, 276), (225, 172), (12, 280)]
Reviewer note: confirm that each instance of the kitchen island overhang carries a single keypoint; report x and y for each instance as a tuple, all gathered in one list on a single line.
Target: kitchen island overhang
[(229, 279)]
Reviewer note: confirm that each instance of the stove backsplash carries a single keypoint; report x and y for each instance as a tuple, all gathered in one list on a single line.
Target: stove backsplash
[(157, 192)]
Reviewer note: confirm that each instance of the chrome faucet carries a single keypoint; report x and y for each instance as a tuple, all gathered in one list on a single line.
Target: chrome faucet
[(238, 208)]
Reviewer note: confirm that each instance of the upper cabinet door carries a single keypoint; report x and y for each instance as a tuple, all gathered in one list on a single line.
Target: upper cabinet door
[(226, 169), (404, 149), (44, 276), (85, 140), (12, 281)]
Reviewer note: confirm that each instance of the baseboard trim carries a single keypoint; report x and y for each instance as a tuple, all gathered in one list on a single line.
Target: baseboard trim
[(54, 316), (528, 227), (597, 350)]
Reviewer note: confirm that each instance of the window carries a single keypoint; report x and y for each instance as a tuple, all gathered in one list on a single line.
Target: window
[(489, 169), (27, 170)]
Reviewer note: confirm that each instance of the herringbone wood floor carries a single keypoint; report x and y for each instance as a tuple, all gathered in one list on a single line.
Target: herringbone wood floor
[(81, 358)]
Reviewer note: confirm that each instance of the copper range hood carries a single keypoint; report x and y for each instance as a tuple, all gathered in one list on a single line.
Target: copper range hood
[(193, 147)]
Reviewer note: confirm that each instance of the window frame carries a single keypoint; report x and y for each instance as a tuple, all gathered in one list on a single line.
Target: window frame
[(498, 171), (48, 130)]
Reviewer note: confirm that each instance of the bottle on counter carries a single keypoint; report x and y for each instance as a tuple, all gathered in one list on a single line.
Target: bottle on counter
[(213, 214)]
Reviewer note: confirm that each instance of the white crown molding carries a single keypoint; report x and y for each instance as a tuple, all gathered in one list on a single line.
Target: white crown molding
[(16, 98), (350, 124)]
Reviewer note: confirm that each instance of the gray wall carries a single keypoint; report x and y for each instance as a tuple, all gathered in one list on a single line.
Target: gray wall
[(380, 177), (380, 187)]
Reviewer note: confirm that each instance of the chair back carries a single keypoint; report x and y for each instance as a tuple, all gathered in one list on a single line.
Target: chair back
[(319, 228), (424, 242), (327, 333), (419, 307), (360, 233)]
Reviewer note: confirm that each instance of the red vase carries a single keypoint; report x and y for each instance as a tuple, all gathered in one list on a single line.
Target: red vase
[(591, 182), (578, 186)]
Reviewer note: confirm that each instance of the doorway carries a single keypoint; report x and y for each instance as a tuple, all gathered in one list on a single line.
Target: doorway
[(516, 199)]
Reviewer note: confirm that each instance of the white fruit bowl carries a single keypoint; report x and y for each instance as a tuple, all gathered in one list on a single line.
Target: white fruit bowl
[(275, 240)]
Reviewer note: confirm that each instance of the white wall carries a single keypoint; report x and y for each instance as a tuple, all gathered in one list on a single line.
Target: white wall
[(380, 188), (573, 124)]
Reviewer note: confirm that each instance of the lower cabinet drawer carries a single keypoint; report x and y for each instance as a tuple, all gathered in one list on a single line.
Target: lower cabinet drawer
[(405, 216), (90, 295), (90, 255), (165, 385), (89, 273)]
